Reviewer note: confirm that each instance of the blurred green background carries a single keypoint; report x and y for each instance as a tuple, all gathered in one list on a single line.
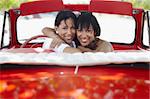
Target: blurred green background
[(7, 4), (140, 3)]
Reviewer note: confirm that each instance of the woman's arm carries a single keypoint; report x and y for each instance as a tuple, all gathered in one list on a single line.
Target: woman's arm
[(60, 49), (49, 32), (52, 34), (84, 49), (71, 50)]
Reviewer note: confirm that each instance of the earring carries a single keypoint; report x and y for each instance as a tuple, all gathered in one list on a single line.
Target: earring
[(56, 32)]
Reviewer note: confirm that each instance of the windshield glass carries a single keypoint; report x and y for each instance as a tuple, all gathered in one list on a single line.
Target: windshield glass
[(114, 28), (32, 25), (6, 29), (145, 32)]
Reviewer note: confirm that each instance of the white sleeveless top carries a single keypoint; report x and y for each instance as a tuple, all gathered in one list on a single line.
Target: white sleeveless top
[(48, 41)]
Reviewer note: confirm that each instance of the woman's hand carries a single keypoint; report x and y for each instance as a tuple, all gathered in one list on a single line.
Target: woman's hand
[(84, 49), (52, 34), (56, 42)]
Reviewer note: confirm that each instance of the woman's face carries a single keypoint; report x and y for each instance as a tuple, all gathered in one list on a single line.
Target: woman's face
[(66, 30), (85, 36)]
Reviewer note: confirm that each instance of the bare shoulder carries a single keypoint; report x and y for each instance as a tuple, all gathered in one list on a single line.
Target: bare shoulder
[(104, 46), (103, 42)]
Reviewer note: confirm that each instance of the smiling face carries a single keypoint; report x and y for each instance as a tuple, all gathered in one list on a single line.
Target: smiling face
[(85, 35), (65, 25), (66, 30), (87, 28)]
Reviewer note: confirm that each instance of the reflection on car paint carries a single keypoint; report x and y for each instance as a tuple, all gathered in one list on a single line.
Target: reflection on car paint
[(45, 85)]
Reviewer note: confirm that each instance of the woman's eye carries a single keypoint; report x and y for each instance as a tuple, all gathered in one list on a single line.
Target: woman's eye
[(79, 30), (73, 28), (65, 28), (89, 31)]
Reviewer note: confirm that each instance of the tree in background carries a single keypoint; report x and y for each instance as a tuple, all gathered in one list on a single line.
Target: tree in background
[(7, 4), (140, 3)]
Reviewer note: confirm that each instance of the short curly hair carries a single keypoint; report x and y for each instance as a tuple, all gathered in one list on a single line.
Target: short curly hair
[(85, 20)]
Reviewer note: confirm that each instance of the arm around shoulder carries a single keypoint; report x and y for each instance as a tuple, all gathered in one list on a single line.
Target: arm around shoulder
[(71, 50), (49, 32)]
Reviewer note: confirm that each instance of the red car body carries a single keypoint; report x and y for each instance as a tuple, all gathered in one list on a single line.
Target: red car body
[(111, 81)]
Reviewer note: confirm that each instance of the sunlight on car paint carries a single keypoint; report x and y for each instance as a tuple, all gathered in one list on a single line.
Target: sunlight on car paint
[(61, 73), (3, 85), (104, 86), (112, 77)]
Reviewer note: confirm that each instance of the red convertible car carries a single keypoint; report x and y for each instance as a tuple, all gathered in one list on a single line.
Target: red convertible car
[(30, 72)]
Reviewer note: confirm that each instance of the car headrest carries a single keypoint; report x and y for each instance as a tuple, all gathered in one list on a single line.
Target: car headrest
[(41, 6), (111, 7)]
